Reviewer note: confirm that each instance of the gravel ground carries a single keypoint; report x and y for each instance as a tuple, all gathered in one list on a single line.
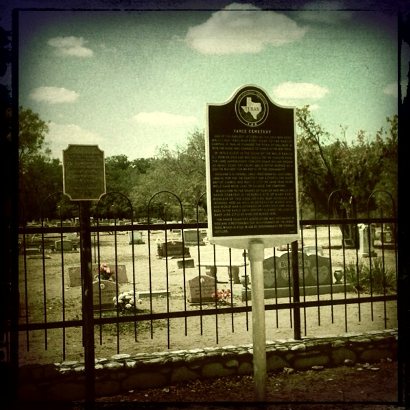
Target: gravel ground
[(363, 386)]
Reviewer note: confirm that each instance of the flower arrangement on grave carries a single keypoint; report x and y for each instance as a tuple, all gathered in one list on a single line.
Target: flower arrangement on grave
[(222, 296), (125, 302)]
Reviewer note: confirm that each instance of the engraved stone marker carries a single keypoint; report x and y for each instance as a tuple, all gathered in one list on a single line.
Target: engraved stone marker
[(285, 269), (201, 289), (251, 171), (108, 292), (320, 270), (83, 172), (193, 238), (74, 274)]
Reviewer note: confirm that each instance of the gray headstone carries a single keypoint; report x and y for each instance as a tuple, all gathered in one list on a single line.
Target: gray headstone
[(120, 274), (103, 293), (65, 245), (320, 270), (285, 269), (135, 237), (193, 238), (201, 289), (270, 266), (74, 274)]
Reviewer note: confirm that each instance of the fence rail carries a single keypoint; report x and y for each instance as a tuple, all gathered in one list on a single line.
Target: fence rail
[(170, 309)]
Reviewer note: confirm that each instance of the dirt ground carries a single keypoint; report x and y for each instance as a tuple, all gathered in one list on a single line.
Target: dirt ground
[(44, 285), (362, 386)]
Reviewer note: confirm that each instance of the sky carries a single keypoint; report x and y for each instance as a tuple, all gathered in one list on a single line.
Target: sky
[(131, 81)]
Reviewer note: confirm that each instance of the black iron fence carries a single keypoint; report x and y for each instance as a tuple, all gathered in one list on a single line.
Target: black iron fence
[(159, 284)]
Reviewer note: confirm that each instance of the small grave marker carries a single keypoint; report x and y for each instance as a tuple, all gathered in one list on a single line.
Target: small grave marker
[(65, 245), (172, 249), (319, 270), (187, 263), (193, 238), (135, 237), (108, 292), (201, 289), (74, 274)]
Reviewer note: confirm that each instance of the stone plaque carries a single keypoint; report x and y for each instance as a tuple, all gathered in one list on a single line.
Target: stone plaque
[(108, 292), (201, 289), (251, 171), (83, 172)]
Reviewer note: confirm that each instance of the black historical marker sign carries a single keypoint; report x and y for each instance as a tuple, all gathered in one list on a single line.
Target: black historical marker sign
[(83, 172), (251, 171)]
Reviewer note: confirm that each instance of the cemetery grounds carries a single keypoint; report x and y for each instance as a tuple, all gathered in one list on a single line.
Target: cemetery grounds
[(57, 345)]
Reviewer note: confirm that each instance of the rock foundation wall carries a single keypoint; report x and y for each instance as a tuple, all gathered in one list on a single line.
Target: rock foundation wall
[(124, 372)]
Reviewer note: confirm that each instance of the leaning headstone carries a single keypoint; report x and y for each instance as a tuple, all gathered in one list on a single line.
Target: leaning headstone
[(201, 289), (103, 293)]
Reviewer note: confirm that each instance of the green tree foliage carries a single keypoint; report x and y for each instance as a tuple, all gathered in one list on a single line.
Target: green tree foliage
[(39, 175), (121, 176), (326, 165), (180, 171)]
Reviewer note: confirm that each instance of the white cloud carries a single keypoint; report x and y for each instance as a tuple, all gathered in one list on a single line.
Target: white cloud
[(291, 91), (61, 135), (53, 95), (70, 46), (391, 89), (160, 119), (243, 28)]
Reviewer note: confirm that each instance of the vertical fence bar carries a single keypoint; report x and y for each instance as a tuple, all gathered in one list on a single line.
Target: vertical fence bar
[(216, 296), (296, 296), (275, 271), (87, 291)]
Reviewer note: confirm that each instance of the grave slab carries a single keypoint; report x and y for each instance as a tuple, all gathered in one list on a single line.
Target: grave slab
[(307, 290)]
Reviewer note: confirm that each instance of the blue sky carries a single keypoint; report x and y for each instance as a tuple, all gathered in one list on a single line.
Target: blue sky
[(131, 81)]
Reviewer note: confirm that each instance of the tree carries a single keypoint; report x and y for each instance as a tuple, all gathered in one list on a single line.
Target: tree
[(180, 171), (357, 169), (39, 175)]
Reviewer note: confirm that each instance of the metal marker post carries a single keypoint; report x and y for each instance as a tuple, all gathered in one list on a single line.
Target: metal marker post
[(256, 256), (88, 312)]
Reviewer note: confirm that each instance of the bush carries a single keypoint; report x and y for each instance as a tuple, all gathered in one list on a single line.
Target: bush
[(371, 279)]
